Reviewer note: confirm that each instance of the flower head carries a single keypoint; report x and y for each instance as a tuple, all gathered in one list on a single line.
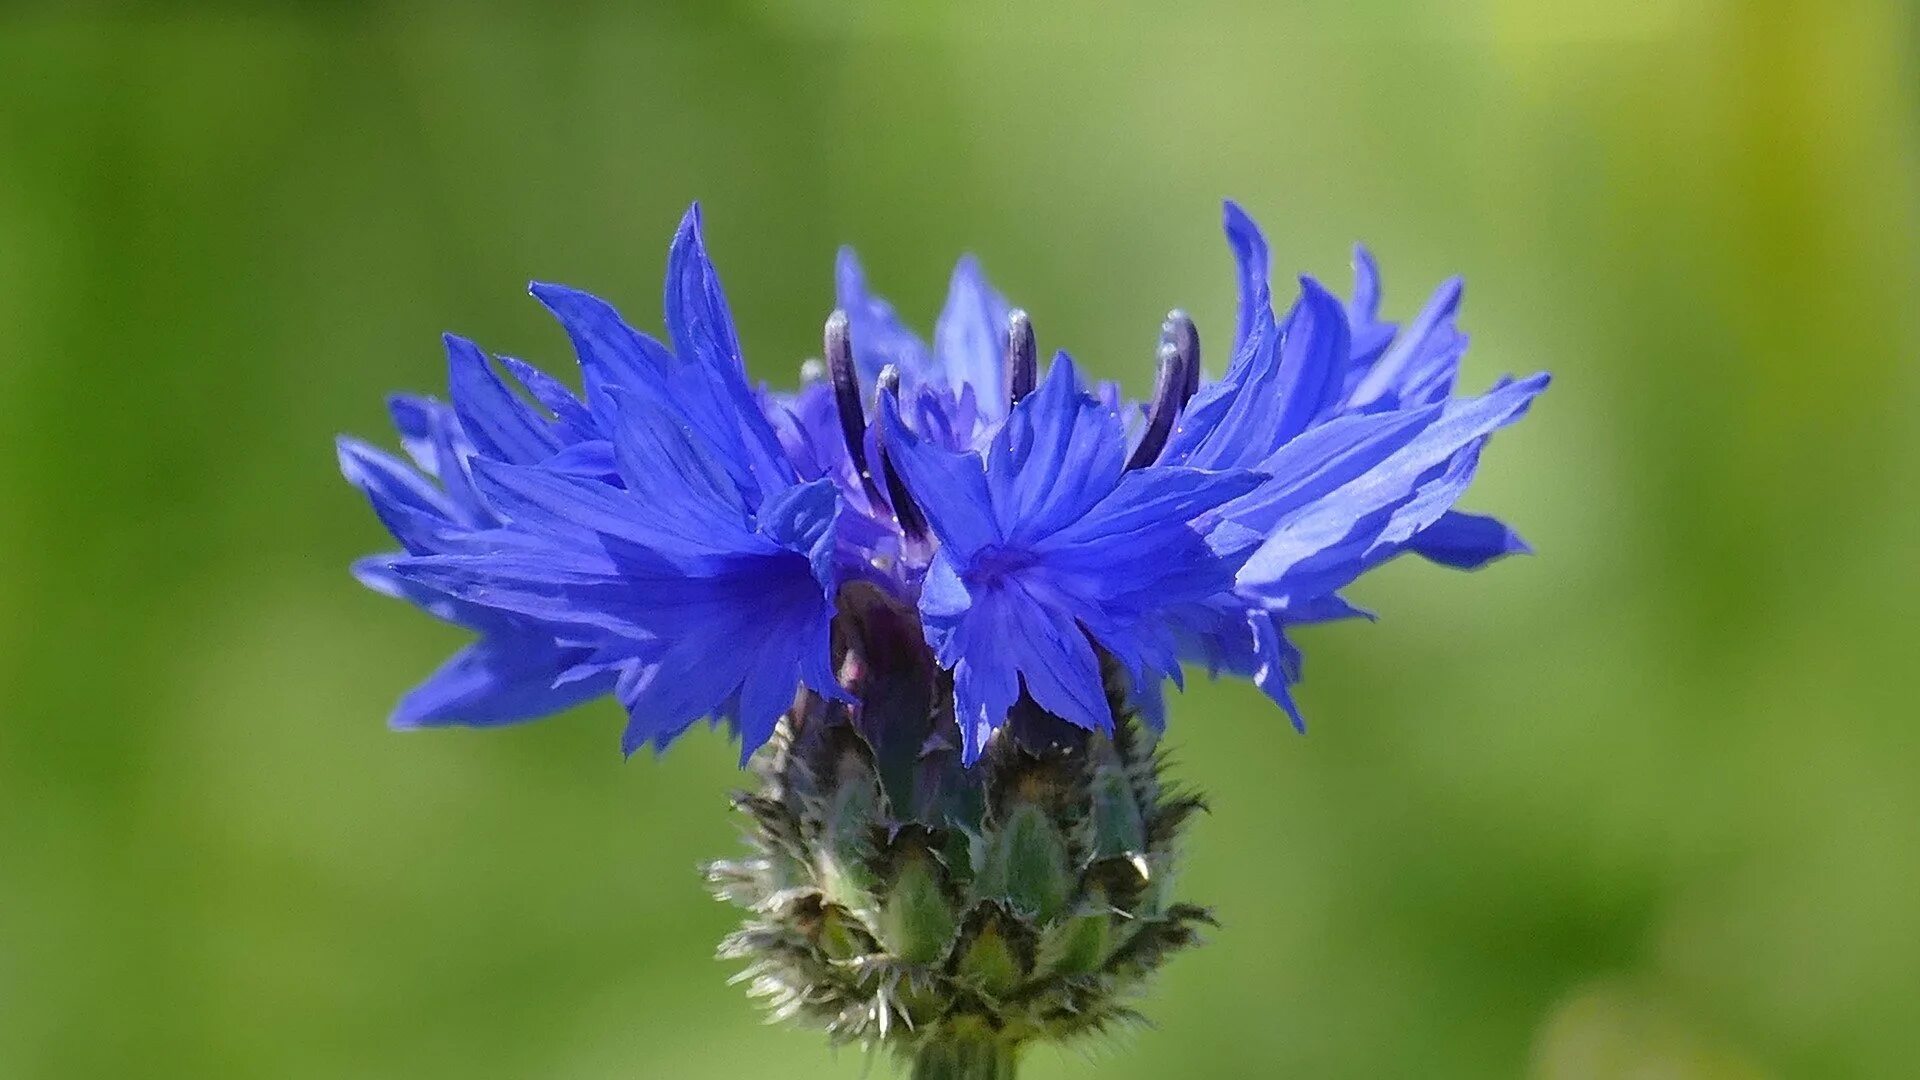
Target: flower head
[(683, 538)]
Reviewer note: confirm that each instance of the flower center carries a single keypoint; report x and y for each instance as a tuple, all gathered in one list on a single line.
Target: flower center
[(993, 564)]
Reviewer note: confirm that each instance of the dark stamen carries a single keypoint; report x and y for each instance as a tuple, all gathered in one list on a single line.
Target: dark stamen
[(1179, 377), (1179, 329), (1022, 362), (846, 397), (913, 524)]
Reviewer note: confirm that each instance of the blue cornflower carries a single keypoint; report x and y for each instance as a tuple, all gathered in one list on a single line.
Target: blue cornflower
[(686, 539)]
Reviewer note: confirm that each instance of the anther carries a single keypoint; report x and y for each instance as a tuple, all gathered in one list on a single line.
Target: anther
[(846, 395), (1022, 359), (1178, 378), (913, 524), (1179, 329)]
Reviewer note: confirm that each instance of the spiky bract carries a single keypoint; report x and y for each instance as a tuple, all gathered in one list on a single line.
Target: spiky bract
[(952, 914)]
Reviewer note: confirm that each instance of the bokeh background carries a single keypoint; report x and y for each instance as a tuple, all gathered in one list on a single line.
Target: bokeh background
[(1647, 801)]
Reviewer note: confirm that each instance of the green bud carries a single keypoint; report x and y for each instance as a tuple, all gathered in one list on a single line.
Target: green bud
[(1027, 864), (1079, 944), (990, 963), (1118, 828), (852, 815), (917, 921), (840, 935)]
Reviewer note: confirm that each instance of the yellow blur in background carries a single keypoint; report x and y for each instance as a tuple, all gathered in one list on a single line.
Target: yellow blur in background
[(1644, 805)]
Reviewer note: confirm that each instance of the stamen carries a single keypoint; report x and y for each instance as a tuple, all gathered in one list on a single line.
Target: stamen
[(1179, 329), (1022, 359), (913, 524), (1178, 378), (846, 396)]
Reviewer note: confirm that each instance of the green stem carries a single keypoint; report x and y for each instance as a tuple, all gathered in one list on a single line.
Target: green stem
[(966, 1054)]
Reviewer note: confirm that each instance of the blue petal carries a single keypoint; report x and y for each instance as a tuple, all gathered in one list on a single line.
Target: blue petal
[(766, 693), (699, 323), (1127, 570), (1407, 483), (453, 457), (501, 425), (416, 418), (711, 395), (1331, 607), (948, 418), (665, 697), (701, 329), (1276, 667), (1073, 547), (557, 585), (611, 353), (743, 642), (875, 332), (671, 464), (499, 680), (1248, 644), (1251, 257), (802, 519), (1147, 503), (1467, 541), (969, 338), (1365, 307), (950, 486), (1273, 393), (592, 458), (378, 473), (1149, 698), (1313, 351), (1058, 665), (376, 573), (1370, 336), (803, 657), (1218, 426), (996, 641), (706, 604), (1418, 368), (1138, 549), (577, 421), (560, 505), (1321, 461), (413, 510), (807, 423), (1058, 454)]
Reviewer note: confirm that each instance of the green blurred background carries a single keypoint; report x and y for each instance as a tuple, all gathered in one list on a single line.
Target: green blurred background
[(1648, 801)]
